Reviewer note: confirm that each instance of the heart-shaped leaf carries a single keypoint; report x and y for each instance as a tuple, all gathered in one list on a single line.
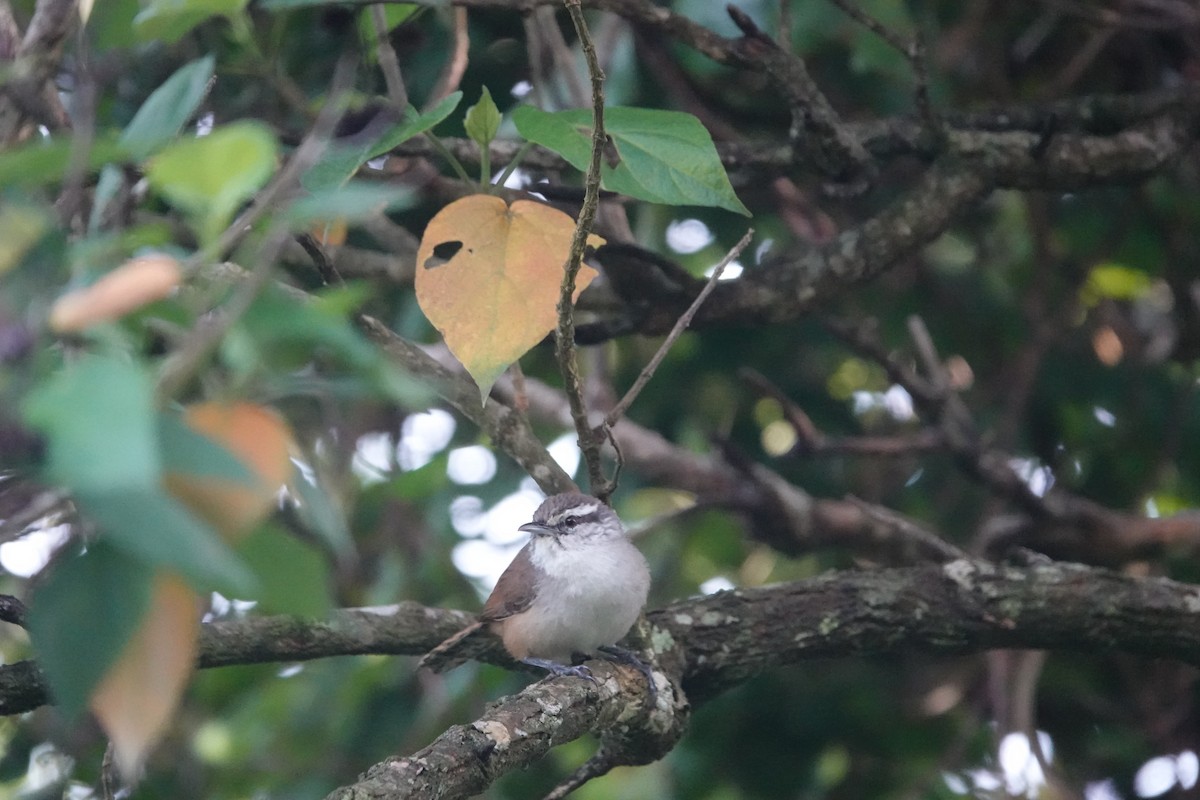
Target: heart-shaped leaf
[(489, 277), (660, 156)]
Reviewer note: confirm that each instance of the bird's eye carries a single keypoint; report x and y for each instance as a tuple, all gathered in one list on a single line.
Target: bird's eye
[(570, 522)]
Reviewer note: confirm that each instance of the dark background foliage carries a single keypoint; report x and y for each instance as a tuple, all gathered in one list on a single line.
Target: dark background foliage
[(1037, 221)]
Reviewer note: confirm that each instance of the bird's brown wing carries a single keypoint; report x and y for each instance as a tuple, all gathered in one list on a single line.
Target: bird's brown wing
[(513, 594), (514, 591)]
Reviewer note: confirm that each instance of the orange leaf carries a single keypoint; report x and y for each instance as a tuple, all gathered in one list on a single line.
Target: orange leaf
[(135, 283), (488, 278), (329, 233), (261, 440), (138, 696)]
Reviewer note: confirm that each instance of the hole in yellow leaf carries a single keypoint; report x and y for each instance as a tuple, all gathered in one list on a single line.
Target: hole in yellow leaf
[(442, 253)]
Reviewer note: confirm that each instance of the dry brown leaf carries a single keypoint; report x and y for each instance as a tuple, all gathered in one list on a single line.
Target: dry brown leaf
[(137, 698), (135, 283), (262, 440), (488, 278)]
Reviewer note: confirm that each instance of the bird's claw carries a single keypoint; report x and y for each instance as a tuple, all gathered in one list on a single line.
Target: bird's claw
[(562, 670), (630, 658)]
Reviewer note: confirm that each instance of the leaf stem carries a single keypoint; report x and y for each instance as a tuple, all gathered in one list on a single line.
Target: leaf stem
[(485, 168), (446, 154), (513, 164)]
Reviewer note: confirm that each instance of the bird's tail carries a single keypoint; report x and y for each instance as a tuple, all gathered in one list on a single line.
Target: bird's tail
[(443, 657)]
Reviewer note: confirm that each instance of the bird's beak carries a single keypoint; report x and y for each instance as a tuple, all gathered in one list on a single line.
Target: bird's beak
[(537, 529)]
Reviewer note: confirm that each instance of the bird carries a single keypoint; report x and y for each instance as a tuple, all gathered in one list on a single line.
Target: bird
[(575, 589)]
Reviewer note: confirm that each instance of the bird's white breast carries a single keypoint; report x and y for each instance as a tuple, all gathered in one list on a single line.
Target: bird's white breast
[(588, 595)]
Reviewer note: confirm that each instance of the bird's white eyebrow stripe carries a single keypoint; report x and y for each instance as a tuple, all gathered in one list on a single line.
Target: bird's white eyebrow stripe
[(575, 511)]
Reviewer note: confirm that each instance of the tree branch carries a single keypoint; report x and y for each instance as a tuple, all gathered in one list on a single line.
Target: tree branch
[(508, 429), (564, 332), (719, 641)]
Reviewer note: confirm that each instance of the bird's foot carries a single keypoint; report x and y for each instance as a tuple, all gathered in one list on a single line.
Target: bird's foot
[(561, 670), (623, 656)]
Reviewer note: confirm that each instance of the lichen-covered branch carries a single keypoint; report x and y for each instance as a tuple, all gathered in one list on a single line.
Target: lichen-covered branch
[(712, 643)]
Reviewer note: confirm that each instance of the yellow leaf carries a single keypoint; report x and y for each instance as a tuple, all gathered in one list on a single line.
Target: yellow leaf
[(488, 278), (262, 440), (137, 698), (127, 288)]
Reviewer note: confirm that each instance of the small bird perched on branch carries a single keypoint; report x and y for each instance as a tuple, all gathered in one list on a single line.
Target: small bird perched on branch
[(575, 589)]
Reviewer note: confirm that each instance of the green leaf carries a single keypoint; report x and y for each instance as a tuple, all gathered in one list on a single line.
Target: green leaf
[(1114, 282), (483, 119), (280, 333), (107, 186), (660, 156), (343, 299), (353, 201), (167, 109), (82, 615), (186, 452), (41, 162), (111, 24), (99, 421), (210, 176), (341, 161), (416, 124), (277, 323), (152, 526), (21, 227), (169, 20), (293, 578)]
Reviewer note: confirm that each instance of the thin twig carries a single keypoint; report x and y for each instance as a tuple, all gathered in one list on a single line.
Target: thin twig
[(910, 530), (512, 164), (83, 133), (920, 66), (927, 352), (520, 397), (784, 35), (539, 94), (207, 335), (811, 441), (388, 63), (936, 400), (876, 27), (450, 78), (447, 82), (680, 326), (456, 67), (913, 51), (303, 157), (564, 333), (600, 764), (564, 61)]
